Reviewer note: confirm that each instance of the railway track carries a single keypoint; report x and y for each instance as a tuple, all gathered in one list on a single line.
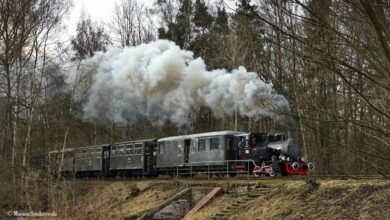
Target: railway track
[(242, 178)]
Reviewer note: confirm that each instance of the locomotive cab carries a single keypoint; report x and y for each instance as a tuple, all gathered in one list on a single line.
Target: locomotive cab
[(254, 147), (272, 153)]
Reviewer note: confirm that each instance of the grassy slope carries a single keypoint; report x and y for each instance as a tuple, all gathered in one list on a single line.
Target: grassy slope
[(338, 199), (287, 199), (119, 199)]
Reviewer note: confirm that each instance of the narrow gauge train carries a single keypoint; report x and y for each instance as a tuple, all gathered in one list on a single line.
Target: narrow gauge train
[(214, 152)]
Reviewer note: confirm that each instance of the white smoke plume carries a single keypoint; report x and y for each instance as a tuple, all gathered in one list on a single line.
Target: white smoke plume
[(162, 82)]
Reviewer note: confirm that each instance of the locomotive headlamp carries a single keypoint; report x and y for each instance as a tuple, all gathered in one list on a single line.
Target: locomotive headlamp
[(310, 166), (295, 166), (247, 151)]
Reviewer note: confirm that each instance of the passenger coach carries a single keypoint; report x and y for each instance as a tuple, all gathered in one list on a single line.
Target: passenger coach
[(131, 159), (198, 152)]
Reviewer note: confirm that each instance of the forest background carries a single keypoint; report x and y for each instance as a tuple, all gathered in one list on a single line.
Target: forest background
[(330, 59)]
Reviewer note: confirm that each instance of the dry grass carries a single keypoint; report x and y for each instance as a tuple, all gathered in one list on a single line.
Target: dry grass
[(114, 199), (331, 200), (338, 199)]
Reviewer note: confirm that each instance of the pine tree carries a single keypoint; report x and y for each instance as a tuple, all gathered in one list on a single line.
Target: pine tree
[(202, 17), (179, 29), (221, 23), (89, 39), (183, 20)]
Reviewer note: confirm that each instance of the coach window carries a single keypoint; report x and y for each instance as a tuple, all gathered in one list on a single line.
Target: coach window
[(178, 145), (98, 153), (122, 149), (214, 143), (194, 144), (169, 147), (129, 149), (202, 144), (113, 153), (160, 148), (138, 149), (84, 153)]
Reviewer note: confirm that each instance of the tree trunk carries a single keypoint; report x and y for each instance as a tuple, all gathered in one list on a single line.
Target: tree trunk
[(63, 150), (28, 136), (15, 125)]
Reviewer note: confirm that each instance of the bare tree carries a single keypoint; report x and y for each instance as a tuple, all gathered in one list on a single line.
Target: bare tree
[(26, 31), (334, 55), (131, 24), (51, 13)]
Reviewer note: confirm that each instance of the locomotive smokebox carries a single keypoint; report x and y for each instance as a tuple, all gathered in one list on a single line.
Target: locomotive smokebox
[(293, 148)]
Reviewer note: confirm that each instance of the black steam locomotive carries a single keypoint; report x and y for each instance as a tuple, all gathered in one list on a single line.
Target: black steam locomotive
[(219, 153)]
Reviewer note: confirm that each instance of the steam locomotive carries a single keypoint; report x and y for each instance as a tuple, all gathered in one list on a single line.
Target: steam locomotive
[(219, 153)]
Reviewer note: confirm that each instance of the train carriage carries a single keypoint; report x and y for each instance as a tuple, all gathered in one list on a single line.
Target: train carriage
[(67, 168), (133, 158), (69, 160), (198, 152), (88, 161)]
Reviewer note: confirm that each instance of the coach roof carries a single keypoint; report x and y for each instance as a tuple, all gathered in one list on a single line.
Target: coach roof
[(207, 134)]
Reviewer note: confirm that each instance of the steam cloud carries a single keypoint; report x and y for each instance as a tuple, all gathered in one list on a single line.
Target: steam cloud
[(162, 82)]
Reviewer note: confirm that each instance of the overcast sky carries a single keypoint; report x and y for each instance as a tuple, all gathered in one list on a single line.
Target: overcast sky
[(102, 10), (99, 10)]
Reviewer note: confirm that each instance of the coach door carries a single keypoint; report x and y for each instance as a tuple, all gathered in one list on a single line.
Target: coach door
[(146, 158), (149, 157), (106, 160), (231, 152), (187, 144)]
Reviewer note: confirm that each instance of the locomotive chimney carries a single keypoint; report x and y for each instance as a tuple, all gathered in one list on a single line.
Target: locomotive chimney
[(290, 134)]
